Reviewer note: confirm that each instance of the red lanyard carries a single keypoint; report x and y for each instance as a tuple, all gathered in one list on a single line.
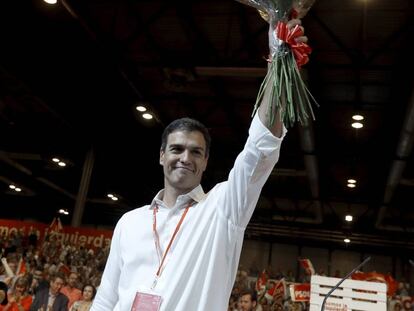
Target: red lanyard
[(157, 239)]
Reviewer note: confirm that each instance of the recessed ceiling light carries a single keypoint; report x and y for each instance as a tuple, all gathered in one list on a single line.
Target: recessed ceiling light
[(63, 164), (349, 218), (141, 108), (50, 1), (351, 181), (357, 125), (17, 189), (351, 185), (357, 117), (109, 195), (147, 116), (12, 186), (114, 198), (56, 160), (347, 240)]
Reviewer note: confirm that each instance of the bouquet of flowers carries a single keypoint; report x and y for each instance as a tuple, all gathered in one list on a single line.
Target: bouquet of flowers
[(285, 59)]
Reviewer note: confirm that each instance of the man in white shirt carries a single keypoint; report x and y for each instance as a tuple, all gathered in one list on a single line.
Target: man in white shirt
[(181, 252)]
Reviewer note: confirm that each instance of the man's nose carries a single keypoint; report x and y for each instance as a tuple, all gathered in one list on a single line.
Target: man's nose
[(185, 156)]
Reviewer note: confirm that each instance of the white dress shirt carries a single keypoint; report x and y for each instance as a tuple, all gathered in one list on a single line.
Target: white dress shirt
[(201, 266)]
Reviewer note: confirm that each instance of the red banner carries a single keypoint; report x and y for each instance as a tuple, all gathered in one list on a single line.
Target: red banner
[(300, 292), (87, 237), (392, 285)]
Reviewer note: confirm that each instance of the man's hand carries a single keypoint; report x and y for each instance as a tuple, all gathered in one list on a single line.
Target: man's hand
[(264, 109), (297, 22)]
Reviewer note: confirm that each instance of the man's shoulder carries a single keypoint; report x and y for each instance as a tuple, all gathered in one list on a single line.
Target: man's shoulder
[(62, 297), (133, 214)]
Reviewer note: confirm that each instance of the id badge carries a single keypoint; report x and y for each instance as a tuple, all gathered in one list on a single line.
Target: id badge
[(146, 302)]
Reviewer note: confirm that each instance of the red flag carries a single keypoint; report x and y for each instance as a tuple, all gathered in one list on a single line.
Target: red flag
[(392, 285), (307, 265), (21, 267), (261, 281), (55, 226), (300, 292), (277, 291)]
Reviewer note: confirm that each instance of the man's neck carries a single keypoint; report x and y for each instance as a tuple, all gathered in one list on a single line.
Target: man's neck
[(171, 194)]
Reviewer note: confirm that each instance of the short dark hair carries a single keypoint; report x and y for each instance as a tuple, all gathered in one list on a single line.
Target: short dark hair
[(188, 125), (252, 294), (57, 275)]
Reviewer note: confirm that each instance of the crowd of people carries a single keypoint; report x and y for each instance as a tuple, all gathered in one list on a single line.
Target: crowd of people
[(48, 275)]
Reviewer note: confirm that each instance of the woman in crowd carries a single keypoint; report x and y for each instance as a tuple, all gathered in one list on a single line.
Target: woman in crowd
[(88, 294), (18, 299), (3, 294)]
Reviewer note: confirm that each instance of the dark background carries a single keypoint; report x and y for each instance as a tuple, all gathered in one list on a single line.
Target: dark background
[(72, 73)]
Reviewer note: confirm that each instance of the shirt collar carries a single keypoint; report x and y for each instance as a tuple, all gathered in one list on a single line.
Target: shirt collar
[(197, 195)]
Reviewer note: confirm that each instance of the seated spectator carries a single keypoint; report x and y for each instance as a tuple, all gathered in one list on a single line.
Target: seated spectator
[(18, 298), (248, 301), (51, 298), (70, 290), (88, 294), (3, 294), (38, 281)]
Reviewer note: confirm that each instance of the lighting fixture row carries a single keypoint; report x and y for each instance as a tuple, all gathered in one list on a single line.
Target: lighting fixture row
[(351, 183), (112, 197), (357, 121), (63, 211), (147, 115), (59, 162), (15, 188)]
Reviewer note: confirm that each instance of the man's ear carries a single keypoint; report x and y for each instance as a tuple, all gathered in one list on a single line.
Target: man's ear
[(161, 157), (205, 164)]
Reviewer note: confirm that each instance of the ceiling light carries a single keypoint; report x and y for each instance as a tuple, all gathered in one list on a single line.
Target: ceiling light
[(114, 198), (141, 108), (12, 186), (109, 195), (63, 164), (357, 117), (50, 1), (61, 211), (351, 181), (147, 116), (347, 240), (351, 185), (357, 125), (349, 218), (56, 160), (17, 189)]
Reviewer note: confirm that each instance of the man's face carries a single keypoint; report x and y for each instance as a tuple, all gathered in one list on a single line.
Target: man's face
[(73, 278), (184, 160), (56, 285), (246, 303)]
